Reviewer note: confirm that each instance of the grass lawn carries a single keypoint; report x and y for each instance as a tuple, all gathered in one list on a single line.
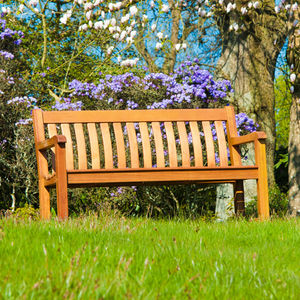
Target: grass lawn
[(118, 258)]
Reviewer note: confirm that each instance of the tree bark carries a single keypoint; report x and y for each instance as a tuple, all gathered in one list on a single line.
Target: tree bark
[(293, 58), (248, 60)]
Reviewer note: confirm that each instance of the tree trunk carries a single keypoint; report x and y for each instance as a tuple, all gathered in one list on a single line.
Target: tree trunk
[(293, 58)]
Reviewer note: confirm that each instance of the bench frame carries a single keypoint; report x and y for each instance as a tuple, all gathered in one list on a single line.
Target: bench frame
[(64, 178)]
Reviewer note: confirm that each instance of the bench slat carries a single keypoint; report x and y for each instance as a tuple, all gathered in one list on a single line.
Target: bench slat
[(159, 148), (93, 137), (107, 145), (146, 145), (222, 144), (196, 144), (65, 129), (210, 148), (157, 115), (171, 144), (134, 154), (120, 145), (184, 144), (52, 131), (81, 147)]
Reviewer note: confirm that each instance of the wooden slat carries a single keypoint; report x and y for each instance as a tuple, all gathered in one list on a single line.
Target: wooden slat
[(171, 144), (81, 147), (93, 137), (221, 143), (166, 175), (196, 144), (157, 115), (52, 131), (159, 148), (120, 145), (107, 145), (134, 154), (65, 128), (210, 149), (235, 156), (184, 144), (146, 145)]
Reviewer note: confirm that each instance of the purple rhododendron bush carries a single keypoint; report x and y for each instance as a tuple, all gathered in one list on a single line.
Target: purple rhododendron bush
[(188, 87)]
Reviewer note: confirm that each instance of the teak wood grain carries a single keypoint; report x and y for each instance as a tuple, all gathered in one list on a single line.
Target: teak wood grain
[(150, 134)]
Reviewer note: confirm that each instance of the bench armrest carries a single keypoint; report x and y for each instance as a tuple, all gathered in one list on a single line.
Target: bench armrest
[(251, 137), (52, 142)]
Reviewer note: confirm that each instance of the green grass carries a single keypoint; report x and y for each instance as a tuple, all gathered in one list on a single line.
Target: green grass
[(118, 258)]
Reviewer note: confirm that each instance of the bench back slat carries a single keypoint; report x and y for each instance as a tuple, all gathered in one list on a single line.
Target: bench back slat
[(65, 129), (221, 143), (52, 131), (159, 147), (94, 144), (171, 145), (107, 145), (184, 144), (120, 145), (210, 148), (147, 155), (197, 147), (81, 147), (235, 156), (134, 154)]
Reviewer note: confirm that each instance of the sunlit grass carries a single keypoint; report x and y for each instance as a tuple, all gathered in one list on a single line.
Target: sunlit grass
[(116, 258)]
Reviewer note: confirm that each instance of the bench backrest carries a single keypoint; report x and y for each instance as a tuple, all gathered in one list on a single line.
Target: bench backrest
[(142, 138)]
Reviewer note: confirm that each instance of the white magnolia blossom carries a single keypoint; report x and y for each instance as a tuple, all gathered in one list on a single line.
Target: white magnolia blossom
[(133, 10), (6, 10), (250, 4), (177, 47), (277, 9), (153, 27), (88, 6), (110, 50), (88, 15), (133, 33), (145, 18), (293, 77), (160, 35), (295, 6), (98, 25), (21, 8), (33, 3), (152, 4), (83, 27), (158, 46), (202, 12), (230, 7), (165, 8), (129, 62), (122, 35), (125, 18), (244, 10), (129, 40), (183, 46), (256, 4), (221, 2)]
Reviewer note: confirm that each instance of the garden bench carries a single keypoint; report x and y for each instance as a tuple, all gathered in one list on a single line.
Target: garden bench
[(139, 147)]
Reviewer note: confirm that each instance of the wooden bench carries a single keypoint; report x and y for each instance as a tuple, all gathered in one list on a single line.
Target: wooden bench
[(139, 147)]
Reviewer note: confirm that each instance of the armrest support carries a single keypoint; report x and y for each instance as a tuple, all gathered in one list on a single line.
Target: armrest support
[(251, 137), (52, 142)]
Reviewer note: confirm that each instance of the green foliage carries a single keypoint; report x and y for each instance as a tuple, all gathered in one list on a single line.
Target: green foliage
[(278, 204), (283, 100), (28, 212)]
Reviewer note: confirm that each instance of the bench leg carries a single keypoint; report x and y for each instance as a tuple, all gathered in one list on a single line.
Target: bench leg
[(44, 196), (239, 202), (262, 181), (61, 182)]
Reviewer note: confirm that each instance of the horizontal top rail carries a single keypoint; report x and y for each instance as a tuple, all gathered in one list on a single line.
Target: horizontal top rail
[(159, 115)]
